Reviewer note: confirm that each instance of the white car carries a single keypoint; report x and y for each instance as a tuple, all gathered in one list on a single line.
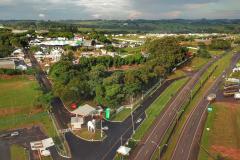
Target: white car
[(105, 128), (139, 120), (14, 134)]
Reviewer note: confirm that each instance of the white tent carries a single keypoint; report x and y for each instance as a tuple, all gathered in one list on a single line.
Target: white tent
[(84, 110), (123, 150)]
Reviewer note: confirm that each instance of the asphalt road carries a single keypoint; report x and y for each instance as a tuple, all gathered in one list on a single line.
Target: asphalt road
[(23, 139), (117, 134), (4, 151), (159, 128), (187, 146)]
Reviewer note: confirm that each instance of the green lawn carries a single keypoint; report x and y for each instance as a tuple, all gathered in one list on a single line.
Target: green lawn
[(157, 106), (121, 116), (18, 153), (176, 74), (198, 62), (216, 52), (18, 92), (85, 134), (17, 108)]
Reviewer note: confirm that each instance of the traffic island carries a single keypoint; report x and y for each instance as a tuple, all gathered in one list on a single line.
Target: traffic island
[(84, 134)]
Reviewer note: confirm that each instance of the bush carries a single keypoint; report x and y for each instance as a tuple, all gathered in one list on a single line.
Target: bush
[(10, 71)]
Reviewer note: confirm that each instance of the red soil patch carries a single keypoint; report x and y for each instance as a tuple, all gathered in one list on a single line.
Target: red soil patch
[(187, 69), (9, 111), (232, 153), (4, 76), (124, 67), (229, 104)]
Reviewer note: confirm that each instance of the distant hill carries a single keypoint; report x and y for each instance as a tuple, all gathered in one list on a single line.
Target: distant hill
[(133, 26)]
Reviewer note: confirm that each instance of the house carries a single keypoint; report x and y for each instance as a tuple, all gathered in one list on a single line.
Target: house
[(7, 64), (76, 123), (18, 53), (42, 146), (236, 69)]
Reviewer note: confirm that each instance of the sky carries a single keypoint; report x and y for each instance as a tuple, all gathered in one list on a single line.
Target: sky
[(118, 9)]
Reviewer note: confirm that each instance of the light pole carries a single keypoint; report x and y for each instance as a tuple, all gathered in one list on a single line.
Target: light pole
[(159, 147), (101, 129), (132, 114)]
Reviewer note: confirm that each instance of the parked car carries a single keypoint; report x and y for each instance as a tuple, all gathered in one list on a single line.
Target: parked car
[(139, 120), (13, 134), (105, 128)]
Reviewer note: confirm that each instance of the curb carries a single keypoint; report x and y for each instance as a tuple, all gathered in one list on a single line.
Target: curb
[(88, 139)]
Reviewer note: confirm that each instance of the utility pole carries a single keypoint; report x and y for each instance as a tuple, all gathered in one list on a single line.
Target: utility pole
[(101, 128)]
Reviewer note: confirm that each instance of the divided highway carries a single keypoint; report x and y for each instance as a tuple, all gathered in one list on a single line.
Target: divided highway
[(187, 146), (147, 146)]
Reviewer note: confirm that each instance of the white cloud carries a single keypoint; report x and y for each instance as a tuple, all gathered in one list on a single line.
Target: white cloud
[(41, 15)]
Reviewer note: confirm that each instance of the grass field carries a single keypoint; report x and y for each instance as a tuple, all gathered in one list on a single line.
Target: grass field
[(198, 62), (17, 108), (216, 52), (16, 92), (224, 135), (121, 116), (18, 153), (85, 134), (157, 106)]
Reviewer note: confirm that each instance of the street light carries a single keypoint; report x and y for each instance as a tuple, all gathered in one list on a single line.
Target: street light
[(159, 147), (132, 114)]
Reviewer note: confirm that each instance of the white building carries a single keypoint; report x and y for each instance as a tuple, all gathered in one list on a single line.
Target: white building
[(76, 123), (42, 146), (18, 53)]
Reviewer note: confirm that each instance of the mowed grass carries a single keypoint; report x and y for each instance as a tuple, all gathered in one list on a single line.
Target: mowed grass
[(121, 116), (18, 153), (197, 63), (157, 106), (17, 108), (85, 134), (224, 135), (18, 92), (216, 52)]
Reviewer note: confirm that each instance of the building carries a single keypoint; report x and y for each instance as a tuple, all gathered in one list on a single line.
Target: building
[(18, 53), (42, 146), (76, 123), (7, 64)]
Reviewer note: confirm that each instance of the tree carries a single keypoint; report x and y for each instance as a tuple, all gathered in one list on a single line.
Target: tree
[(203, 53), (220, 44)]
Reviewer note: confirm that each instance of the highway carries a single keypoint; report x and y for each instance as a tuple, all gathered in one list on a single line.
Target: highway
[(187, 146), (159, 128)]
